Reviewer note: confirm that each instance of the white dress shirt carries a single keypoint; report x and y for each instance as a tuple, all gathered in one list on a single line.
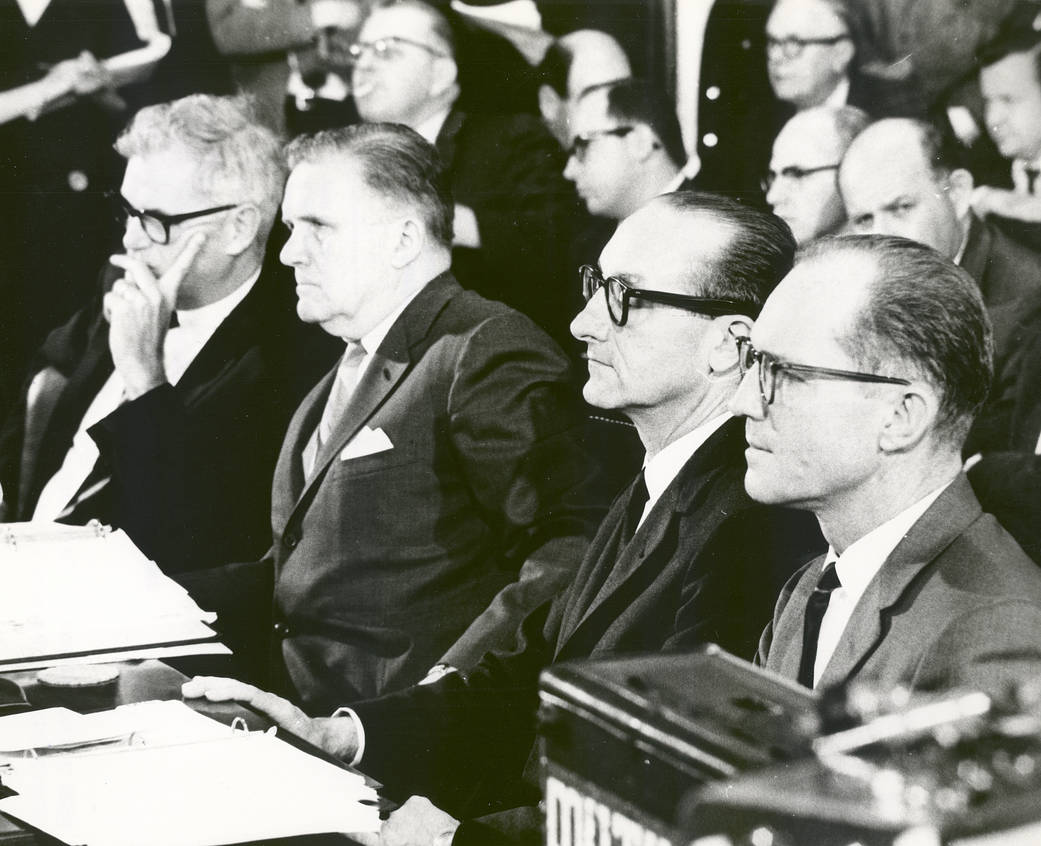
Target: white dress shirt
[(182, 344), (431, 127), (856, 567), (660, 470)]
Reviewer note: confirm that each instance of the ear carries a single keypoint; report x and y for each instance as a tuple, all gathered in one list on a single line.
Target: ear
[(909, 419), (443, 75), (550, 104), (722, 355), (241, 228), (960, 191), (843, 55), (408, 237), (642, 142)]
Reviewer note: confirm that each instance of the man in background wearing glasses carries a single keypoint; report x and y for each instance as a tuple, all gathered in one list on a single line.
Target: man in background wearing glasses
[(160, 408), (684, 557), (861, 379), (514, 211), (801, 185)]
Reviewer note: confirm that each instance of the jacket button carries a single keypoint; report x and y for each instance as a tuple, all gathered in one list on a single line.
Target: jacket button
[(281, 629), (290, 540)]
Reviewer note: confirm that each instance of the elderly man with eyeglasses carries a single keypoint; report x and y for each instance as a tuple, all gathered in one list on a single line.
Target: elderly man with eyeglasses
[(861, 379), (160, 407), (683, 557)]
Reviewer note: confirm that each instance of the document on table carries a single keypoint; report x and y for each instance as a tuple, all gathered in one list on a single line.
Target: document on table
[(80, 592), (180, 781)]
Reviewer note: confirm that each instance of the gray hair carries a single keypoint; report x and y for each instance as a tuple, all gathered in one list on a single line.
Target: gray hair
[(239, 159)]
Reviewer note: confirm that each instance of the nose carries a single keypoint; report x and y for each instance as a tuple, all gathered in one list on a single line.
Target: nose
[(292, 254), (571, 168), (775, 193), (747, 401), (591, 323), (134, 237)]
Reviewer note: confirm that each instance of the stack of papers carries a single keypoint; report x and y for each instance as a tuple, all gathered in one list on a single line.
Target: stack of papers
[(78, 594), (183, 779)]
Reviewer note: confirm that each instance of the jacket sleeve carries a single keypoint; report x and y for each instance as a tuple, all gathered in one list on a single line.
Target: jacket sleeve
[(515, 426)]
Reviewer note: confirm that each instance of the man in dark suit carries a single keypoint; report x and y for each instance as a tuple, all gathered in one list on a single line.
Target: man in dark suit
[(683, 557), (901, 177), (513, 208), (431, 489), (862, 377), (172, 433)]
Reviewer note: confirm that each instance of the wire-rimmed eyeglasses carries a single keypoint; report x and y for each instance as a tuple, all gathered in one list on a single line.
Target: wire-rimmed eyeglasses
[(155, 224), (387, 48), (794, 173), (770, 367), (791, 46), (619, 293)]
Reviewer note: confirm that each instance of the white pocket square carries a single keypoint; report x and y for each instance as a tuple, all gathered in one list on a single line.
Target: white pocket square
[(366, 442)]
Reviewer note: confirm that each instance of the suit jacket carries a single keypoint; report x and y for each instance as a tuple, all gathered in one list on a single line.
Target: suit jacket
[(1005, 270), (704, 566), (1007, 479), (957, 603), (509, 170), (188, 467), (434, 549)]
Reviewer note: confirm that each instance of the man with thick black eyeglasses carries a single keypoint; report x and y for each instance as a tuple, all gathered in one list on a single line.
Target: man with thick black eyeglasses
[(861, 379), (160, 407), (683, 557)]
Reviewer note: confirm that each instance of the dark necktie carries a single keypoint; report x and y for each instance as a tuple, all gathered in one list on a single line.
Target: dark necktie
[(1031, 173), (815, 609), (638, 497)]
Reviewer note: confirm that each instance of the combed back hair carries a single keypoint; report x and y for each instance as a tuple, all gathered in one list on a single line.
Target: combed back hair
[(1017, 34), (638, 101), (239, 159), (396, 163), (924, 318), (758, 256), (555, 67), (443, 29)]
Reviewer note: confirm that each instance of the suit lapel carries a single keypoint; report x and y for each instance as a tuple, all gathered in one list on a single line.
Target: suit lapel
[(389, 364), (446, 138), (953, 511), (677, 500)]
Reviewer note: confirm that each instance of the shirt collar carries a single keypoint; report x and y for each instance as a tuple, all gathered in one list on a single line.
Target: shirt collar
[(431, 127), (860, 562), (659, 471), (371, 340), (212, 315)]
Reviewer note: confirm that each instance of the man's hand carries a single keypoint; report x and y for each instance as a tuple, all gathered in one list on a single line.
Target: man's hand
[(416, 823), (336, 735), (138, 311), (987, 200), (85, 76)]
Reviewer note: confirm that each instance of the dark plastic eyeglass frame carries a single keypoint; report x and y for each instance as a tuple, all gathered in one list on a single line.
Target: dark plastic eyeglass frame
[(593, 280), (791, 47), (166, 221), (580, 144), (793, 172), (747, 356), (358, 48)]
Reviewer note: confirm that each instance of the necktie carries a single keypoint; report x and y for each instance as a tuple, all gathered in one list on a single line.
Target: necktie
[(1031, 173), (815, 608), (638, 497), (339, 395)]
